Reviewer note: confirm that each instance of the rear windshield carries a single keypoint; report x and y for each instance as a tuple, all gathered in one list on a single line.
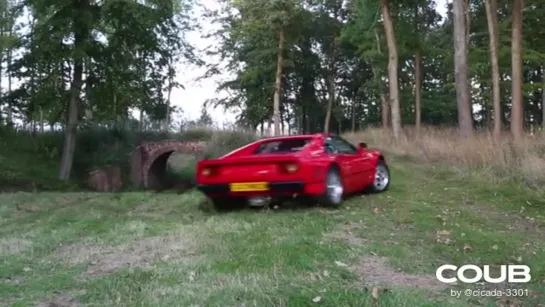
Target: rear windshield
[(283, 146)]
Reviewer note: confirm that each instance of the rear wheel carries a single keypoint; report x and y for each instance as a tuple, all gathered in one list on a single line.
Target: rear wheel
[(228, 203), (334, 189)]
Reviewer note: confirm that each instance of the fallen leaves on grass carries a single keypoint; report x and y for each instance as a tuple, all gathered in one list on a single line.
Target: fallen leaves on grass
[(443, 233), (374, 293), (442, 237), (508, 302), (346, 233), (62, 300), (30, 209), (373, 270), (138, 253)]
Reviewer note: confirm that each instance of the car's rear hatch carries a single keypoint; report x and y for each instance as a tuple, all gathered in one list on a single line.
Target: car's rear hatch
[(263, 167)]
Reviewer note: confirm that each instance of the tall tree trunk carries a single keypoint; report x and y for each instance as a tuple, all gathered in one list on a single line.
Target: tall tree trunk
[(169, 94), (386, 111), (10, 107), (492, 18), (2, 108), (392, 69), (517, 110), (303, 118), (417, 73), (543, 103), (330, 85), (418, 89), (384, 105), (89, 83), (288, 121), (9, 63), (70, 133), (278, 82), (465, 118), (282, 117), (330, 100), (353, 118), (141, 120), (166, 126), (41, 121), (467, 22)]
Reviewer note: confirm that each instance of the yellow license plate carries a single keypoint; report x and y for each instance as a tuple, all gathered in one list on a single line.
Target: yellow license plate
[(249, 187)]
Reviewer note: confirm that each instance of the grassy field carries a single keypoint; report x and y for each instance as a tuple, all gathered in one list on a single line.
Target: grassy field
[(167, 249)]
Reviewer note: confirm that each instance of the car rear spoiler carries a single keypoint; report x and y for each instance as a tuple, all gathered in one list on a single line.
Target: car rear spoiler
[(260, 158)]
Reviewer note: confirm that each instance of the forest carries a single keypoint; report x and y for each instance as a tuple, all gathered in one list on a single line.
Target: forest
[(298, 66)]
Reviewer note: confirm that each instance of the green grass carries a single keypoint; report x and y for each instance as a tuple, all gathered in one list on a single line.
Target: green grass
[(165, 249)]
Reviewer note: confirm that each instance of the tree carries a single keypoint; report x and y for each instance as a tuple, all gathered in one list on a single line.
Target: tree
[(205, 119), (417, 71), (517, 111), (465, 118), (114, 80), (278, 80), (392, 68), (492, 18)]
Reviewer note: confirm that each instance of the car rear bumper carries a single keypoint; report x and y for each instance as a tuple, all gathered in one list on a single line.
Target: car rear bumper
[(274, 188)]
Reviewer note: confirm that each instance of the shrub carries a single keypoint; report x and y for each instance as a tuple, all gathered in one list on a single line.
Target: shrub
[(223, 142)]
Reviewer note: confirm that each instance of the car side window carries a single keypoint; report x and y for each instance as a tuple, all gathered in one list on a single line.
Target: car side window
[(339, 145), (330, 149)]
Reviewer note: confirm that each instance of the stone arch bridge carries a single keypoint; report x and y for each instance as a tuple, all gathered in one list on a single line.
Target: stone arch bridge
[(149, 161)]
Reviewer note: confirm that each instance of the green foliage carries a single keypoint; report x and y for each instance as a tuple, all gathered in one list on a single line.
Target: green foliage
[(31, 161), (222, 142)]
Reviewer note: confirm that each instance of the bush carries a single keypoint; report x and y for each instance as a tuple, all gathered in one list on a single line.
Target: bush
[(223, 142)]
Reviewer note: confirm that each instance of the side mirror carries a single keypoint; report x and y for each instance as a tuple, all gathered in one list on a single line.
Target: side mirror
[(362, 145)]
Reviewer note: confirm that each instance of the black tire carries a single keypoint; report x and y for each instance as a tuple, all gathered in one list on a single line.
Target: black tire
[(228, 203), (329, 199), (382, 180)]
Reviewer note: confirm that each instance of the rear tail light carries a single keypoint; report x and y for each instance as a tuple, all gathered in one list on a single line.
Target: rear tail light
[(206, 171), (291, 167)]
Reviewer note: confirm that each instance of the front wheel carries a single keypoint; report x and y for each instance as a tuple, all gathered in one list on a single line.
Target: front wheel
[(381, 182), (334, 189)]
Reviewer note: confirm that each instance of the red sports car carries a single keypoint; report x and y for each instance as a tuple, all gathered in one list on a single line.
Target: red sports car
[(323, 167)]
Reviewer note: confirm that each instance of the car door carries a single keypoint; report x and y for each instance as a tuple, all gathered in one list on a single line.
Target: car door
[(363, 166), (348, 158), (359, 162)]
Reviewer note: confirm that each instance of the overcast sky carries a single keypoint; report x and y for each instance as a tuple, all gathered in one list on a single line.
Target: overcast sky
[(192, 98)]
